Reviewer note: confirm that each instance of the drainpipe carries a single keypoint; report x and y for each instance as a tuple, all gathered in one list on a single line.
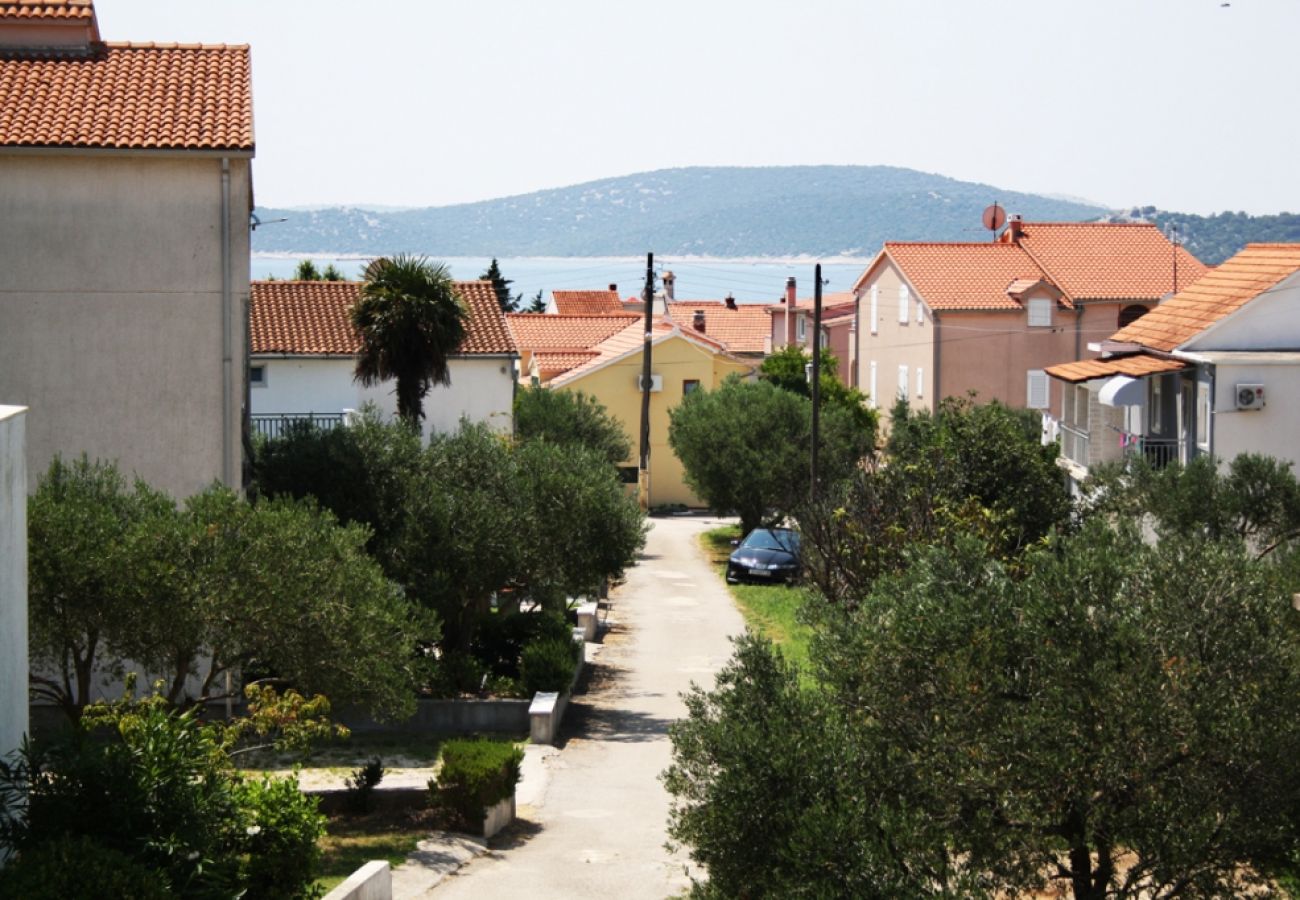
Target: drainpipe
[(1078, 330), (936, 391), (228, 474)]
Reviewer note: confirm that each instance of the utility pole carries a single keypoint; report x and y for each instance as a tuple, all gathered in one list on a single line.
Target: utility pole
[(643, 476), (816, 376)]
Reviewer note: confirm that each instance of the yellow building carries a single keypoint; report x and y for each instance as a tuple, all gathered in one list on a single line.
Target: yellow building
[(601, 356)]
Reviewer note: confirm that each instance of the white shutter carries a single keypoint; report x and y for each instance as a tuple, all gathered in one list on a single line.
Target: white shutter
[(1037, 393), (875, 307), (903, 298), (902, 382), (1040, 312), (920, 312), (871, 392), (920, 382)]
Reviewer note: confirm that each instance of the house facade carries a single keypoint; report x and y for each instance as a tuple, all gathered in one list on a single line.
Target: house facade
[(13, 580), (950, 319), (791, 322), (1213, 370), (125, 176), (303, 354)]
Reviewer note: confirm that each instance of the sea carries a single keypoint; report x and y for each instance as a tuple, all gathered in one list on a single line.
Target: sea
[(696, 278)]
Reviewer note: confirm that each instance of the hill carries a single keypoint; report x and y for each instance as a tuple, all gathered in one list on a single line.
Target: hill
[(1212, 239), (728, 212)]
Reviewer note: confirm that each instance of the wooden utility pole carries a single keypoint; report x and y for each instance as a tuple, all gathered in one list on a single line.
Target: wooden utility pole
[(643, 476), (816, 385)]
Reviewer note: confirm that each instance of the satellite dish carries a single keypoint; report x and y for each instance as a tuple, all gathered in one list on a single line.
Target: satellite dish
[(994, 218)]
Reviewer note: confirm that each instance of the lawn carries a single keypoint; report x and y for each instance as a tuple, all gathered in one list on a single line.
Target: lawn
[(769, 609), (390, 832)]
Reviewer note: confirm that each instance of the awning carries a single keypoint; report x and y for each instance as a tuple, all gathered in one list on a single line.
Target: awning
[(1123, 391), (1136, 366)]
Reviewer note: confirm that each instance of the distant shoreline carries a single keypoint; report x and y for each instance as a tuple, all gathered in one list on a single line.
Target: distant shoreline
[(703, 260)]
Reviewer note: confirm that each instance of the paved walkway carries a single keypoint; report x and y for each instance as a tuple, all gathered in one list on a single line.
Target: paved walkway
[(593, 816)]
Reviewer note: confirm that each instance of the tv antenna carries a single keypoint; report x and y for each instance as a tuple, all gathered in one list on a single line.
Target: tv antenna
[(994, 218)]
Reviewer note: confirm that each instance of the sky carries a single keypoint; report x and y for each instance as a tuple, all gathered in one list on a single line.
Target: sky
[(1187, 105)]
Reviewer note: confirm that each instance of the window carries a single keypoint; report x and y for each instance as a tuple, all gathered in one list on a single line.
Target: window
[(871, 386), (801, 328), (1037, 392), (629, 474), (1040, 312), (920, 312), (920, 382), (1157, 421), (903, 302), (1203, 415), (902, 382), (875, 307), (1074, 411), (690, 386), (257, 376)]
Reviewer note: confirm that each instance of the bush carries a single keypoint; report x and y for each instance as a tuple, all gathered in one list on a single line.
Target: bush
[(78, 866), (501, 639), (281, 838), (362, 782), (457, 673), (548, 665), (475, 775)]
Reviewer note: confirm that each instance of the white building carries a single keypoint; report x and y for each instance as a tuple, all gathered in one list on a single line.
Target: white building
[(303, 354)]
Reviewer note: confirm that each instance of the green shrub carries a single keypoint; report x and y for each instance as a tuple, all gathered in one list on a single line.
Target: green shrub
[(281, 838), (475, 774), (362, 782), (501, 638), (457, 673), (78, 866), (548, 665)]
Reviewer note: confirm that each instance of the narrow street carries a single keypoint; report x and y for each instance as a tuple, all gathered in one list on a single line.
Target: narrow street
[(598, 829)]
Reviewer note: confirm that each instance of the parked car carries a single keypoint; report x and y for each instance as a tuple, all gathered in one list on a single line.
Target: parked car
[(766, 554)]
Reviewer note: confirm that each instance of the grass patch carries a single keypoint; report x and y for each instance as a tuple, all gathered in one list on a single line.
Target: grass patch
[(343, 854), (769, 609)]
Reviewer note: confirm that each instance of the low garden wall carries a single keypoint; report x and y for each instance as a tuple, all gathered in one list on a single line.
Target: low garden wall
[(373, 881), (448, 717)]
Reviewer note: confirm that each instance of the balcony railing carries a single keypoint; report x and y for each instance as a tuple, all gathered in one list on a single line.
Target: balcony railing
[(1157, 451), (274, 425), (1075, 445)]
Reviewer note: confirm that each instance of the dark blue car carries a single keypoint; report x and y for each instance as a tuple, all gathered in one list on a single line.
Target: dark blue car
[(766, 554)]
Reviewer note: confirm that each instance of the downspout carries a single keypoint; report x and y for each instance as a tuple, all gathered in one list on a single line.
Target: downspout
[(1078, 330), (228, 474), (936, 392)]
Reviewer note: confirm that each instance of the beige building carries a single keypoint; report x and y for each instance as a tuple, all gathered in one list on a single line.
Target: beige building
[(126, 185), (948, 319)]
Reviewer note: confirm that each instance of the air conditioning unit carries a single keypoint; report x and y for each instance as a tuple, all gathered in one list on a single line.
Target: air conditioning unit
[(656, 383), (1250, 396)]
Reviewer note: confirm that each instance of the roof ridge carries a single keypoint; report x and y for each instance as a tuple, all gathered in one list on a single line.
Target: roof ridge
[(170, 45)]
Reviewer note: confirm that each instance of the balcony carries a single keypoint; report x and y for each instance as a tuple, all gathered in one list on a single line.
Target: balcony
[(1157, 451), (274, 425), (1075, 445)]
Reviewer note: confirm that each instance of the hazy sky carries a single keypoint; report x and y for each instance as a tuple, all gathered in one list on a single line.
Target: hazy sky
[(1185, 104)]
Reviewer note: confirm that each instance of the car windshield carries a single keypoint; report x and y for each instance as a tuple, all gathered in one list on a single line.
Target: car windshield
[(767, 539)]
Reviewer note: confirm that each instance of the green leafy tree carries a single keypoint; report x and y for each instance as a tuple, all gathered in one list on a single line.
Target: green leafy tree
[(410, 321), (331, 273), (306, 271), (501, 286), (787, 370), (570, 418)]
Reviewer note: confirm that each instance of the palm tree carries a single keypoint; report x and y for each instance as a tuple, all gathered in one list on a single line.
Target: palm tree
[(410, 321)]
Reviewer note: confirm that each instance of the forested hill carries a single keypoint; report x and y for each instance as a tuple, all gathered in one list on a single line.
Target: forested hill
[(1212, 239), (780, 212)]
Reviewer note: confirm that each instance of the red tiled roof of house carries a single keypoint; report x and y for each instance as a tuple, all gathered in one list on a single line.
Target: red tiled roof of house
[(554, 362), (1221, 292), (587, 303), (128, 96), (539, 331), (1108, 260), (46, 9), (312, 318), (829, 301), (744, 329), (963, 276), (1132, 366)]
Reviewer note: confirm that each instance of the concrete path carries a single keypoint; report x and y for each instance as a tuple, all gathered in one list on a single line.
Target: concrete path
[(597, 827)]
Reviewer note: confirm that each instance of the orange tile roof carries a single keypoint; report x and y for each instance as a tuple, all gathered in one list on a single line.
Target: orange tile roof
[(1132, 366), (1108, 260), (744, 329), (46, 9), (587, 303), (540, 331), (627, 339), (129, 96), (555, 362), (839, 298), (1221, 292), (312, 318), (952, 276)]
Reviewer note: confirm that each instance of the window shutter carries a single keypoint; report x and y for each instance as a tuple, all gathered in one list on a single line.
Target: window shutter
[(875, 308), (902, 304), (871, 392), (920, 312), (902, 382), (1036, 393), (1040, 312), (920, 382)]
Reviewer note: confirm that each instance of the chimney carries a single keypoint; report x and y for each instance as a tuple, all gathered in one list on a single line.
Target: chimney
[(74, 34), (669, 280), (789, 310), (1015, 229), (697, 321), (613, 289), (731, 301)]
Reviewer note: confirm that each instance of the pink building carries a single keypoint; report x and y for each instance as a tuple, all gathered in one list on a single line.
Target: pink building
[(792, 323)]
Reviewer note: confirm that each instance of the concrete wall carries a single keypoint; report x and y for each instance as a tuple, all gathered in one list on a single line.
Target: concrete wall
[(1273, 430), (111, 312), (13, 579), (482, 390)]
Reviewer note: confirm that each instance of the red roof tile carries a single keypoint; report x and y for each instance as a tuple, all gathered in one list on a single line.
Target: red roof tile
[(554, 362), (539, 331), (1221, 292), (744, 329), (1132, 366), (312, 318), (128, 96), (1108, 260), (587, 303), (963, 276), (46, 9)]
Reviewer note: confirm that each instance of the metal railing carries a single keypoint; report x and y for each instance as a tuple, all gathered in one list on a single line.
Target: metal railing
[(1075, 445), (1157, 451), (274, 425)]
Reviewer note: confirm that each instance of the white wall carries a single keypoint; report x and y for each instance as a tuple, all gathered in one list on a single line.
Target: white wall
[(13, 578), (1273, 430), (1269, 322), (481, 389)]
